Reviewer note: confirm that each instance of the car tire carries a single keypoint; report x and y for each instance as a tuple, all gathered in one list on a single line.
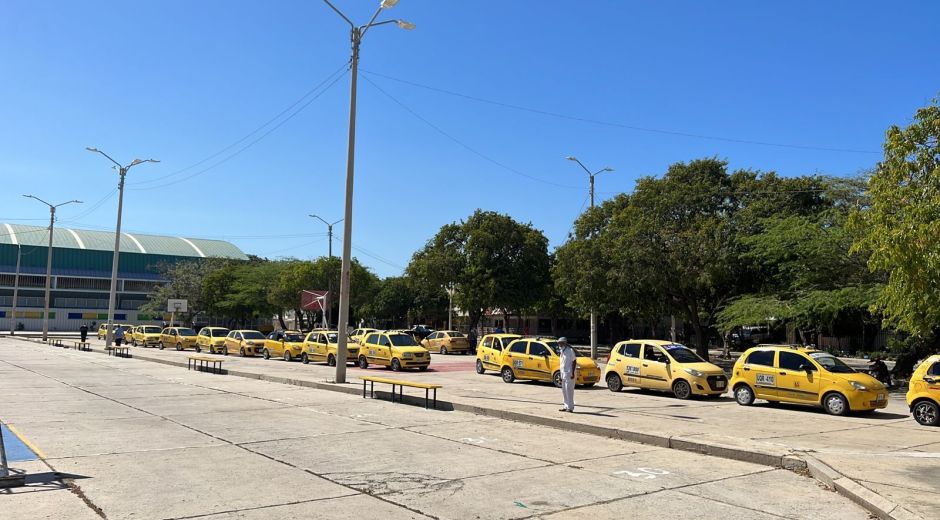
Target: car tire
[(179, 346), (198, 349), (331, 360), (363, 362), (241, 351), (443, 351), (423, 369), (225, 351), (744, 395), (835, 404), (265, 354), (556, 379), (287, 356), (161, 346), (614, 383), (304, 358), (134, 343), (507, 375), (480, 368), (396, 365), (926, 413), (681, 389)]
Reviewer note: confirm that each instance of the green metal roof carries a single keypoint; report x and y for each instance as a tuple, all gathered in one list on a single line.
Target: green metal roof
[(70, 238)]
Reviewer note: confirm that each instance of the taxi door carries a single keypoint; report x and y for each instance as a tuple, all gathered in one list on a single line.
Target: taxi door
[(322, 346), (232, 342), (627, 364), (516, 356), (797, 378), (490, 352), (370, 346), (383, 351), (654, 368), (203, 340), (761, 373), (433, 342), (539, 362)]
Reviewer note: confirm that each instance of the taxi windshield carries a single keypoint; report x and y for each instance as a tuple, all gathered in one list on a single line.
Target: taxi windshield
[(252, 334), (218, 332), (553, 346), (402, 340), (186, 332), (831, 363), (151, 330), (683, 354), (293, 338)]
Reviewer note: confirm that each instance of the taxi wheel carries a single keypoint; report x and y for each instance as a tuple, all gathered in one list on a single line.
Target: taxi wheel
[(304, 359), (556, 379), (926, 413), (266, 354), (744, 395), (508, 376), (480, 368), (198, 349), (835, 404), (614, 383), (396, 365), (331, 361), (444, 351), (134, 343), (161, 346), (681, 389), (241, 352), (224, 351), (423, 369), (363, 362), (179, 346), (287, 356)]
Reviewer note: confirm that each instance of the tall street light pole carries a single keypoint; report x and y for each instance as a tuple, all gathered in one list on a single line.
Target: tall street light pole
[(593, 314), (329, 231), (52, 208), (356, 34), (112, 297)]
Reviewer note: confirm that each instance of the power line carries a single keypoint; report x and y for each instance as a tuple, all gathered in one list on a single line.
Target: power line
[(92, 209), (465, 145), (616, 124), (249, 145)]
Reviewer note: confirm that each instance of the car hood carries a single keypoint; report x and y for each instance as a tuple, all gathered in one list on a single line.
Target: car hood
[(586, 362), (704, 367), (415, 350), (858, 377)]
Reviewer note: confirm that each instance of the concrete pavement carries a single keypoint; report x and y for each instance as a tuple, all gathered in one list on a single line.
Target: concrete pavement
[(270, 420)]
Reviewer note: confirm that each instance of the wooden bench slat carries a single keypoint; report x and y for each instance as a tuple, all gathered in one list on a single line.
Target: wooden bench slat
[(400, 382)]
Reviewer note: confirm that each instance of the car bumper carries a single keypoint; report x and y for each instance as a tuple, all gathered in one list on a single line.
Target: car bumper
[(869, 400), (588, 378), (710, 385), (415, 363)]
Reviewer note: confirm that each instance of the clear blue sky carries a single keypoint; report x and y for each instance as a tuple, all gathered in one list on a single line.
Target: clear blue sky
[(180, 80)]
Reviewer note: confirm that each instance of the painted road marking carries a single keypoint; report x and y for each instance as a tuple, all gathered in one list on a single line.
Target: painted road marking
[(18, 448), (643, 473)]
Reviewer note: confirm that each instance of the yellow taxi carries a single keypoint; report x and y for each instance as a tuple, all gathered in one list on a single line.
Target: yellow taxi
[(662, 365), (794, 374), (537, 359), (287, 344), (181, 338), (358, 335), (490, 351), (923, 394), (446, 341), (146, 336), (321, 345), (393, 349), (212, 339), (245, 342), (103, 329)]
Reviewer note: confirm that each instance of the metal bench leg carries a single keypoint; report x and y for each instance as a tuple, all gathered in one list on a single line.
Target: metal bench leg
[(372, 388), (363, 388), (425, 398), (435, 398)]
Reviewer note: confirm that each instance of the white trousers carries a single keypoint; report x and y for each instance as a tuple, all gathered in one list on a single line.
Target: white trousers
[(567, 390)]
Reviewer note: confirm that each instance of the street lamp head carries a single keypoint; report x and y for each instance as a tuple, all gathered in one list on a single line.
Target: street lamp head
[(571, 158), (388, 4), (608, 169), (408, 26), (135, 162), (90, 149)]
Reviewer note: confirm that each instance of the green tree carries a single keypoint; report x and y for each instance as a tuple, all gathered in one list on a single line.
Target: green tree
[(185, 281)]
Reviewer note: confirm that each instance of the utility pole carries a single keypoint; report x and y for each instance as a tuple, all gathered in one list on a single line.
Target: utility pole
[(328, 310), (16, 288), (450, 305), (52, 208), (329, 230), (593, 314), (112, 297), (356, 34)]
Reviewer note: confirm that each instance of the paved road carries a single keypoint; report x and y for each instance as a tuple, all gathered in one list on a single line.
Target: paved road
[(139, 439)]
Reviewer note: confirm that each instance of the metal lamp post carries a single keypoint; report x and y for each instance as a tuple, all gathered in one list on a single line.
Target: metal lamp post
[(593, 314), (450, 304), (329, 231), (112, 297), (356, 34), (45, 314)]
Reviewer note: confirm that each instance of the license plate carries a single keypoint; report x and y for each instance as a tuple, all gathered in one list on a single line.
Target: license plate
[(719, 384), (882, 397)]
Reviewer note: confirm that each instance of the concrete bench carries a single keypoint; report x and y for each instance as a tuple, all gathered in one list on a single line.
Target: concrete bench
[(81, 345), (400, 384), (116, 351), (204, 364)]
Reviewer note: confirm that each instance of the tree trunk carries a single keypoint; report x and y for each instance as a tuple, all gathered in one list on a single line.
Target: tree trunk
[(280, 319)]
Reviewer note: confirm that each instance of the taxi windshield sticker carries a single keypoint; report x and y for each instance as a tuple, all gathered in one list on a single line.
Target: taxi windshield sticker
[(766, 379)]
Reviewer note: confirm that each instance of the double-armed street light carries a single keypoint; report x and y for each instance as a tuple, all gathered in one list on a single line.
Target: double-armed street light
[(329, 231), (122, 169), (356, 34), (593, 314), (45, 314)]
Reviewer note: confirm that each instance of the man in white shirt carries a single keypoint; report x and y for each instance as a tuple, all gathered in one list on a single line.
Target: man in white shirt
[(568, 364)]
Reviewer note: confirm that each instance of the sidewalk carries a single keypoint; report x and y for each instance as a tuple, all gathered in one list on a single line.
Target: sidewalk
[(884, 461)]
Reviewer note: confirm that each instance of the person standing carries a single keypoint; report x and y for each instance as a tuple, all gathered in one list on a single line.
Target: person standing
[(568, 365), (83, 332), (118, 335)]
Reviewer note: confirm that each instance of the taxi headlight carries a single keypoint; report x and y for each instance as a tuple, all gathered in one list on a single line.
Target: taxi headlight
[(858, 386), (693, 372)]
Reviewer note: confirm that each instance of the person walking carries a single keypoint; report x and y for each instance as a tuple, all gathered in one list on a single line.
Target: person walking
[(118, 335), (83, 332), (568, 364)]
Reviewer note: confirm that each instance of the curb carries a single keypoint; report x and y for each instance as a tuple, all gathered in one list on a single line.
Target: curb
[(794, 461)]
